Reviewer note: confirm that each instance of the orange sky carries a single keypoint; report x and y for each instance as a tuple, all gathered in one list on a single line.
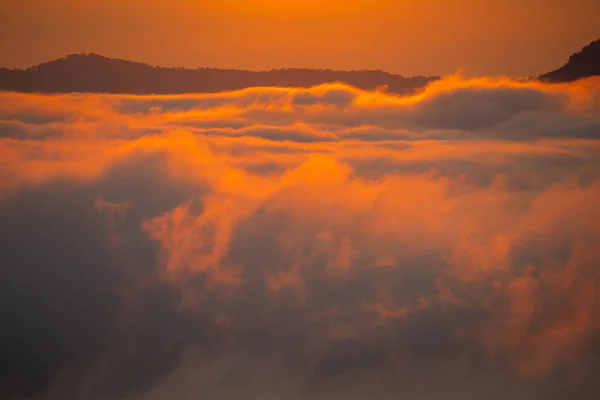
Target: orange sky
[(513, 37)]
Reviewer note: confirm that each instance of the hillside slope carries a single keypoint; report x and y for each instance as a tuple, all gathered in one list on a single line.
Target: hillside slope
[(95, 73)]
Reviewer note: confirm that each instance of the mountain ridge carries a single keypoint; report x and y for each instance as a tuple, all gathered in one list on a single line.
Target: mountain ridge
[(89, 72), (582, 64)]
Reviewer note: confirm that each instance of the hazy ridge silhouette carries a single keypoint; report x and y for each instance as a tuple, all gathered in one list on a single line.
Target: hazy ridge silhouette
[(580, 65), (95, 73), (98, 74)]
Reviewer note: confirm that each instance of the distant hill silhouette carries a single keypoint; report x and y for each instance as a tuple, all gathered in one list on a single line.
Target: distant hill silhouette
[(580, 65), (95, 73)]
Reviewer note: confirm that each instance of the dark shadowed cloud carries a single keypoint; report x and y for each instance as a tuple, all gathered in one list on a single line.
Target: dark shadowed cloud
[(325, 243)]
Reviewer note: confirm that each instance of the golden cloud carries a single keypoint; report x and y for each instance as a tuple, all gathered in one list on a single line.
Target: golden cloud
[(335, 237)]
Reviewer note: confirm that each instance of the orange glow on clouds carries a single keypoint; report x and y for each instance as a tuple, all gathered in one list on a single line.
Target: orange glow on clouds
[(345, 214)]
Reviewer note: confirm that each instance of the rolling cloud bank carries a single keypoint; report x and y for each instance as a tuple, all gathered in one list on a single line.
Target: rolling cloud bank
[(320, 243)]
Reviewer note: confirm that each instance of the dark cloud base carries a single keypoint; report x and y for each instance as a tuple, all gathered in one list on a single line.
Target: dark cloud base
[(327, 244)]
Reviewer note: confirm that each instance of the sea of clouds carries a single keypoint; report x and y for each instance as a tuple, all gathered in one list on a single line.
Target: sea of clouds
[(295, 244)]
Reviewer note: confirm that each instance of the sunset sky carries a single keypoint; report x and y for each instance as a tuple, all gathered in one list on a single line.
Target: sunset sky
[(429, 37), (175, 235)]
